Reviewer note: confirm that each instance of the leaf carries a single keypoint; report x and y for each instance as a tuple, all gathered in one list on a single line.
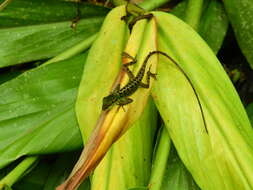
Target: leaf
[(213, 25), (240, 14), (49, 173), (112, 123), (31, 12), (179, 10), (138, 188), (36, 178), (30, 30), (8, 74), (207, 141), (249, 110), (213, 22), (103, 64), (176, 176), (37, 111), (152, 4), (7, 188), (128, 162), (160, 158)]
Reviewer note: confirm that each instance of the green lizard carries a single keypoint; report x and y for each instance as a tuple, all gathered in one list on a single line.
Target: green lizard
[(120, 96)]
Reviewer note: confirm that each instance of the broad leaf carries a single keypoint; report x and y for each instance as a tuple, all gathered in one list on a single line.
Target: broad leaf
[(32, 30), (240, 14), (226, 121), (8, 74), (37, 111), (138, 188), (49, 173), (250, 112), (213, 23), (128, 162), (176, 176)]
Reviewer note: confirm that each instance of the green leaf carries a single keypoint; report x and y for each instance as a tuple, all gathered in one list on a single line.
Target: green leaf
[(49, 173), (249, 110), (213, 22), (193, 13), (214, 25), (36, 178), (7, 188), (32, 12), (168, 171), (240, 14), (176, 176), (179, 10), (128, 162), (138, 188), (21, 169), (31, 30), (161, 155), (152, 4), (37, 111), (8, 74), (226, 121)]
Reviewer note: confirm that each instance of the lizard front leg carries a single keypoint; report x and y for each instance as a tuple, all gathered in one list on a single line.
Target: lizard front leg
[(126, 65), (124, 101)]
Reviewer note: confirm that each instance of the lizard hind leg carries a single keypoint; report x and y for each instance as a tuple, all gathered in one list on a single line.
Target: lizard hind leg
[(149, 75)]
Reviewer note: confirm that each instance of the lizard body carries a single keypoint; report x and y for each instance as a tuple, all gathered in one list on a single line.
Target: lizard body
[(120, 95)]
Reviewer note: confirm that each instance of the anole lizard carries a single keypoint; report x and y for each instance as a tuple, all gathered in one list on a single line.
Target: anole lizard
[(120, 96)]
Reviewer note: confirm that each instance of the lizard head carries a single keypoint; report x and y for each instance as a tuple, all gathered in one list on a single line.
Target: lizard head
[(109, 101)]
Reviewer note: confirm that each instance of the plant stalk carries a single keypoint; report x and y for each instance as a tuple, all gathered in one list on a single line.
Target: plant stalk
[(160, 161), (4, 4), (18, 171)]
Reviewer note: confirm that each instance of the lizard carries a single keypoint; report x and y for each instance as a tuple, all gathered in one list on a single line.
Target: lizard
[(120, 96)]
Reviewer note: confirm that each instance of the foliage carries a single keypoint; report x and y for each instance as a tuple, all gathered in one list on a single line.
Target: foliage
[(52, 87)]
